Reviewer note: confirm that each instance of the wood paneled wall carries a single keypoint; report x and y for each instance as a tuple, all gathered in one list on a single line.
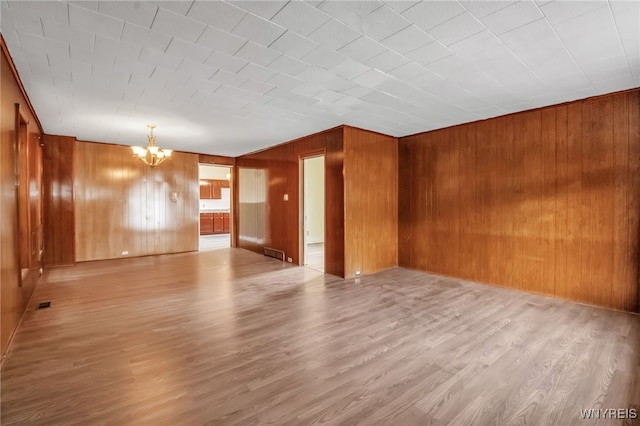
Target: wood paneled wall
[(14, 292), (122, 204), (545, 201), (361, 180), (281, 169), (371, 201), (59, 212)]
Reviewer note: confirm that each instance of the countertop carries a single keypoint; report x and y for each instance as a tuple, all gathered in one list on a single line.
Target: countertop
[(213, 211)]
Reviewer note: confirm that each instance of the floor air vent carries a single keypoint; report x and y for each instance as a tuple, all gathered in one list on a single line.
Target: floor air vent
[(276, 254), (43, 305)]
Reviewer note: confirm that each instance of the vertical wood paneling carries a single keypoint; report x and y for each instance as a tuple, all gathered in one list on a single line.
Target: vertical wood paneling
[(334, 206), (123, 205), (14, 295), (518, 199), (449, 206), (633, 187), (486, 167), (603, 179), (562, 205), (588, 161), (23, 188), (358, 201), (507, 190), (532, 200), (371, 203), (405, 218), (575, 224), (549, 200), (468, 199), (280, 164), (59, 222), (621, 207)]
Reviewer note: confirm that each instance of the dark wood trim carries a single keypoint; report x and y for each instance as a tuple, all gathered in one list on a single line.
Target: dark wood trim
[(217, 160), (7, 54), (235, 204), (23, 244), (312, 153)]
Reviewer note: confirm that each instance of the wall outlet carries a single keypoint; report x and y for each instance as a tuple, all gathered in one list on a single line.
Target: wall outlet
[(289, 259), (357, 272), (125, 252)]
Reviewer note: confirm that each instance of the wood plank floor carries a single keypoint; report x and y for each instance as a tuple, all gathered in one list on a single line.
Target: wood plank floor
[(231, 337)]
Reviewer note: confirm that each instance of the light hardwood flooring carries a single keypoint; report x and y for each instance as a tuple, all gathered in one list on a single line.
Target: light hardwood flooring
[(230, 337)]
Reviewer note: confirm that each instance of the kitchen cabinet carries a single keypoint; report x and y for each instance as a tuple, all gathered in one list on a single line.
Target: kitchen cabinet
[(218, 223), (225, 225), (216, 190), (206, 223), (211, 189), (206, 192), (214, 223)]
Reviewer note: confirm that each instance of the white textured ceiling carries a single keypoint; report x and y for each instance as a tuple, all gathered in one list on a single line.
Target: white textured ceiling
[(232, 77)]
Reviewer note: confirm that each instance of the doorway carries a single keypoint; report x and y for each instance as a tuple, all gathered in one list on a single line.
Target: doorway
[(215, 205), (313, 212)]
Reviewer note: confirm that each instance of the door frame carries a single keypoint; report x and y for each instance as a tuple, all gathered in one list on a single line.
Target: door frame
[(301, 230), (232, 200)]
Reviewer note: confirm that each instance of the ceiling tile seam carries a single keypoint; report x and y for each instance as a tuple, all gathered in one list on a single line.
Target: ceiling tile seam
[(273, 42), (241, 47), (489, 76), (444, 77), (155, 15), (575, 16), (41, 27), (276, 14), (555, 33), (189, 8), (443, 22), (358, 30), (403, 100), (231, 31), (401, 29), (553, 29), (501, 41), (68, 19), (124, 24), (620, 37), (506, 4), (515, 56), (381, 5)]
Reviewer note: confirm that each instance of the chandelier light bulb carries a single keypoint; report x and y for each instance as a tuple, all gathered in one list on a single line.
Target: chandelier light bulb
[(151, 155)]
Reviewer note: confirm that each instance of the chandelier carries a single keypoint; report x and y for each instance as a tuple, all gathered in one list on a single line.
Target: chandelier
[(151, 155)]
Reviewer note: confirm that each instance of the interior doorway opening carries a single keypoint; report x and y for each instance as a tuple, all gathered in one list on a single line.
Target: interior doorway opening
[(313, 207), (216, 206)]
